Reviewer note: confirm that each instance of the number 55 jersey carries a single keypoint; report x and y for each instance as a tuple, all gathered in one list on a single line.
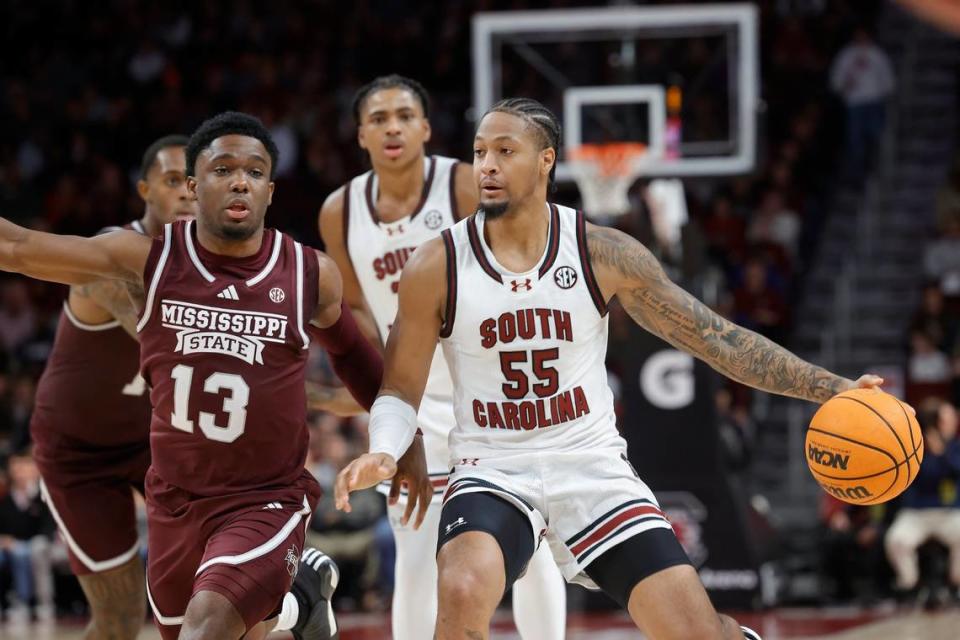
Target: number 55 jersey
[(526, 350), (223, 348)]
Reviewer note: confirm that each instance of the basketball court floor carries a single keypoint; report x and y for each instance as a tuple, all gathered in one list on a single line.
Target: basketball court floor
[(784, 624)]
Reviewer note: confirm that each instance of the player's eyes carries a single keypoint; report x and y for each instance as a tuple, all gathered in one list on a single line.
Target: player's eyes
[(173, 182), (478, 153), (221, 171), (505, 151), (256, 173)]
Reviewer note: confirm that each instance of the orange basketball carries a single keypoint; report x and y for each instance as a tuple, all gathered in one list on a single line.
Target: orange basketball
[(864, 446)]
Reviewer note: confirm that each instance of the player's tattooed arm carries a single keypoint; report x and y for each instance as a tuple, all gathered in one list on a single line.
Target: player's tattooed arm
[(72, 259), (627, 269), (122, 300)]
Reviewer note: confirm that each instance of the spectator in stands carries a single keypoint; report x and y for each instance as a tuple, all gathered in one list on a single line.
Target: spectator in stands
[(26, 535), (927, 365), (930, 507), (941, 260), (852, 550), (948, 198), (349, 538), (736, 430), (725, 232), (774, 223), (757, 305), (933, 319), (863, 77), (17, 316)]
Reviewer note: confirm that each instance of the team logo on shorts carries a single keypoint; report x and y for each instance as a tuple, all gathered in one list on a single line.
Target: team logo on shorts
[(293, 560), (277, 295), (565, 277), (433, 219)]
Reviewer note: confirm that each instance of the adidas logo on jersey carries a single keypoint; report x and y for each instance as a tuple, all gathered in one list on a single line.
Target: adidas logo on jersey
[(230, 293)]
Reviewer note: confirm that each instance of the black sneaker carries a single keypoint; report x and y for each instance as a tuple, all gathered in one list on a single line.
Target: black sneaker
[(313, 588), (750, 634)]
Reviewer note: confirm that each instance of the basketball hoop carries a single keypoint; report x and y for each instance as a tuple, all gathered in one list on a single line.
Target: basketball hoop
[(604, 173)]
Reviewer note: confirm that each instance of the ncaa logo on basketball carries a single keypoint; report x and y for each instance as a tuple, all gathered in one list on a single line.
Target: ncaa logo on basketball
[(277, 295), (565, 277), (433, 219)]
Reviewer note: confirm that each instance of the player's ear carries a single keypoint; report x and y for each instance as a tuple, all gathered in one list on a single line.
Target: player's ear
[(548, 157), (360, 140), (143, 189), (192, 187), (427, 131), (270, 193)]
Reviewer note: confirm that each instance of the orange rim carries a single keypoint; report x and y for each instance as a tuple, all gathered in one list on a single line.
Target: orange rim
[(613, 158)]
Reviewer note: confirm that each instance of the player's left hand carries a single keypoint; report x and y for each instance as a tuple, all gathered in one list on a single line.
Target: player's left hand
[(867, 381), (366, 471), (412, 473), (870, 381)]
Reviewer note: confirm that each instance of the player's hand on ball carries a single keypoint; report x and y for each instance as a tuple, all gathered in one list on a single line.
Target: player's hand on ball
[(366, 471), (412, 473), (867, 381), (870, 381)]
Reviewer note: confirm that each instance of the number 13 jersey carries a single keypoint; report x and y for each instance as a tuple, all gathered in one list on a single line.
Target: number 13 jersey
[(526, 350), (223, 346)]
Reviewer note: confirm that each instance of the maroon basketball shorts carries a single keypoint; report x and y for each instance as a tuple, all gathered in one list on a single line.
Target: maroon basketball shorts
[(90, 494), (243, 546)]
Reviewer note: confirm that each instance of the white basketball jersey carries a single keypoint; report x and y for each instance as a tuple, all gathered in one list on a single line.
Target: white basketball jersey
[(378, 251), (526, 350)]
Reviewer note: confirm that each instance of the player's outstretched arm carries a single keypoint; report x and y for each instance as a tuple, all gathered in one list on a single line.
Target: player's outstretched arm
[(410, 349), (627, 269), (120, 255)]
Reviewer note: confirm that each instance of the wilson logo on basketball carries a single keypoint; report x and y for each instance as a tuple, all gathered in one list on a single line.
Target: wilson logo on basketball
[(565, 277), (827, 458), (857, 492)]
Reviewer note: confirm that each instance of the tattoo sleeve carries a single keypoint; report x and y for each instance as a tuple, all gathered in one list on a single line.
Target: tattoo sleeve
[(122, 299), (666, 310)]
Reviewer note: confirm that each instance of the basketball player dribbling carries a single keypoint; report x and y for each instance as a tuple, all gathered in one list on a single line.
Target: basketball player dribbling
[(517, 295), (91, 418), (371, 227), (226, 311)]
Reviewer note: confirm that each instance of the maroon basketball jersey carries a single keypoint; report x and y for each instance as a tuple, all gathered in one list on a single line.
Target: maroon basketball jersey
[(91, 394), (223, 346)]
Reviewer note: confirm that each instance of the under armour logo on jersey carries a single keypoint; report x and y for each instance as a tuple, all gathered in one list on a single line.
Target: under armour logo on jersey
[(521, 285), (397, 230), (459, 522), (469, 461), (230, 293), (565, 277)]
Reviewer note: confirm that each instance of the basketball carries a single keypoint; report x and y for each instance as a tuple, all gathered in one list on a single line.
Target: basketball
[(864, 446)]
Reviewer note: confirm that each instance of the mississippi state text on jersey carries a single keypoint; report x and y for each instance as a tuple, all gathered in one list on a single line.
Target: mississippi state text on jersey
[(526, 350), (378, 251), (223, 348)]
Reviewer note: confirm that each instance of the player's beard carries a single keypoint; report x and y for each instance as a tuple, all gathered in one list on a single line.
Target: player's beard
[(237, 232), (494, 210)]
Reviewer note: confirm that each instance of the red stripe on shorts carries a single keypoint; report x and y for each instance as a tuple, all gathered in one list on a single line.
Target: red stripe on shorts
[(612, 524)]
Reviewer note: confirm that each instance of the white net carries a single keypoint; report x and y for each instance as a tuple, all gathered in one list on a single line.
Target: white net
[(604, 175)]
